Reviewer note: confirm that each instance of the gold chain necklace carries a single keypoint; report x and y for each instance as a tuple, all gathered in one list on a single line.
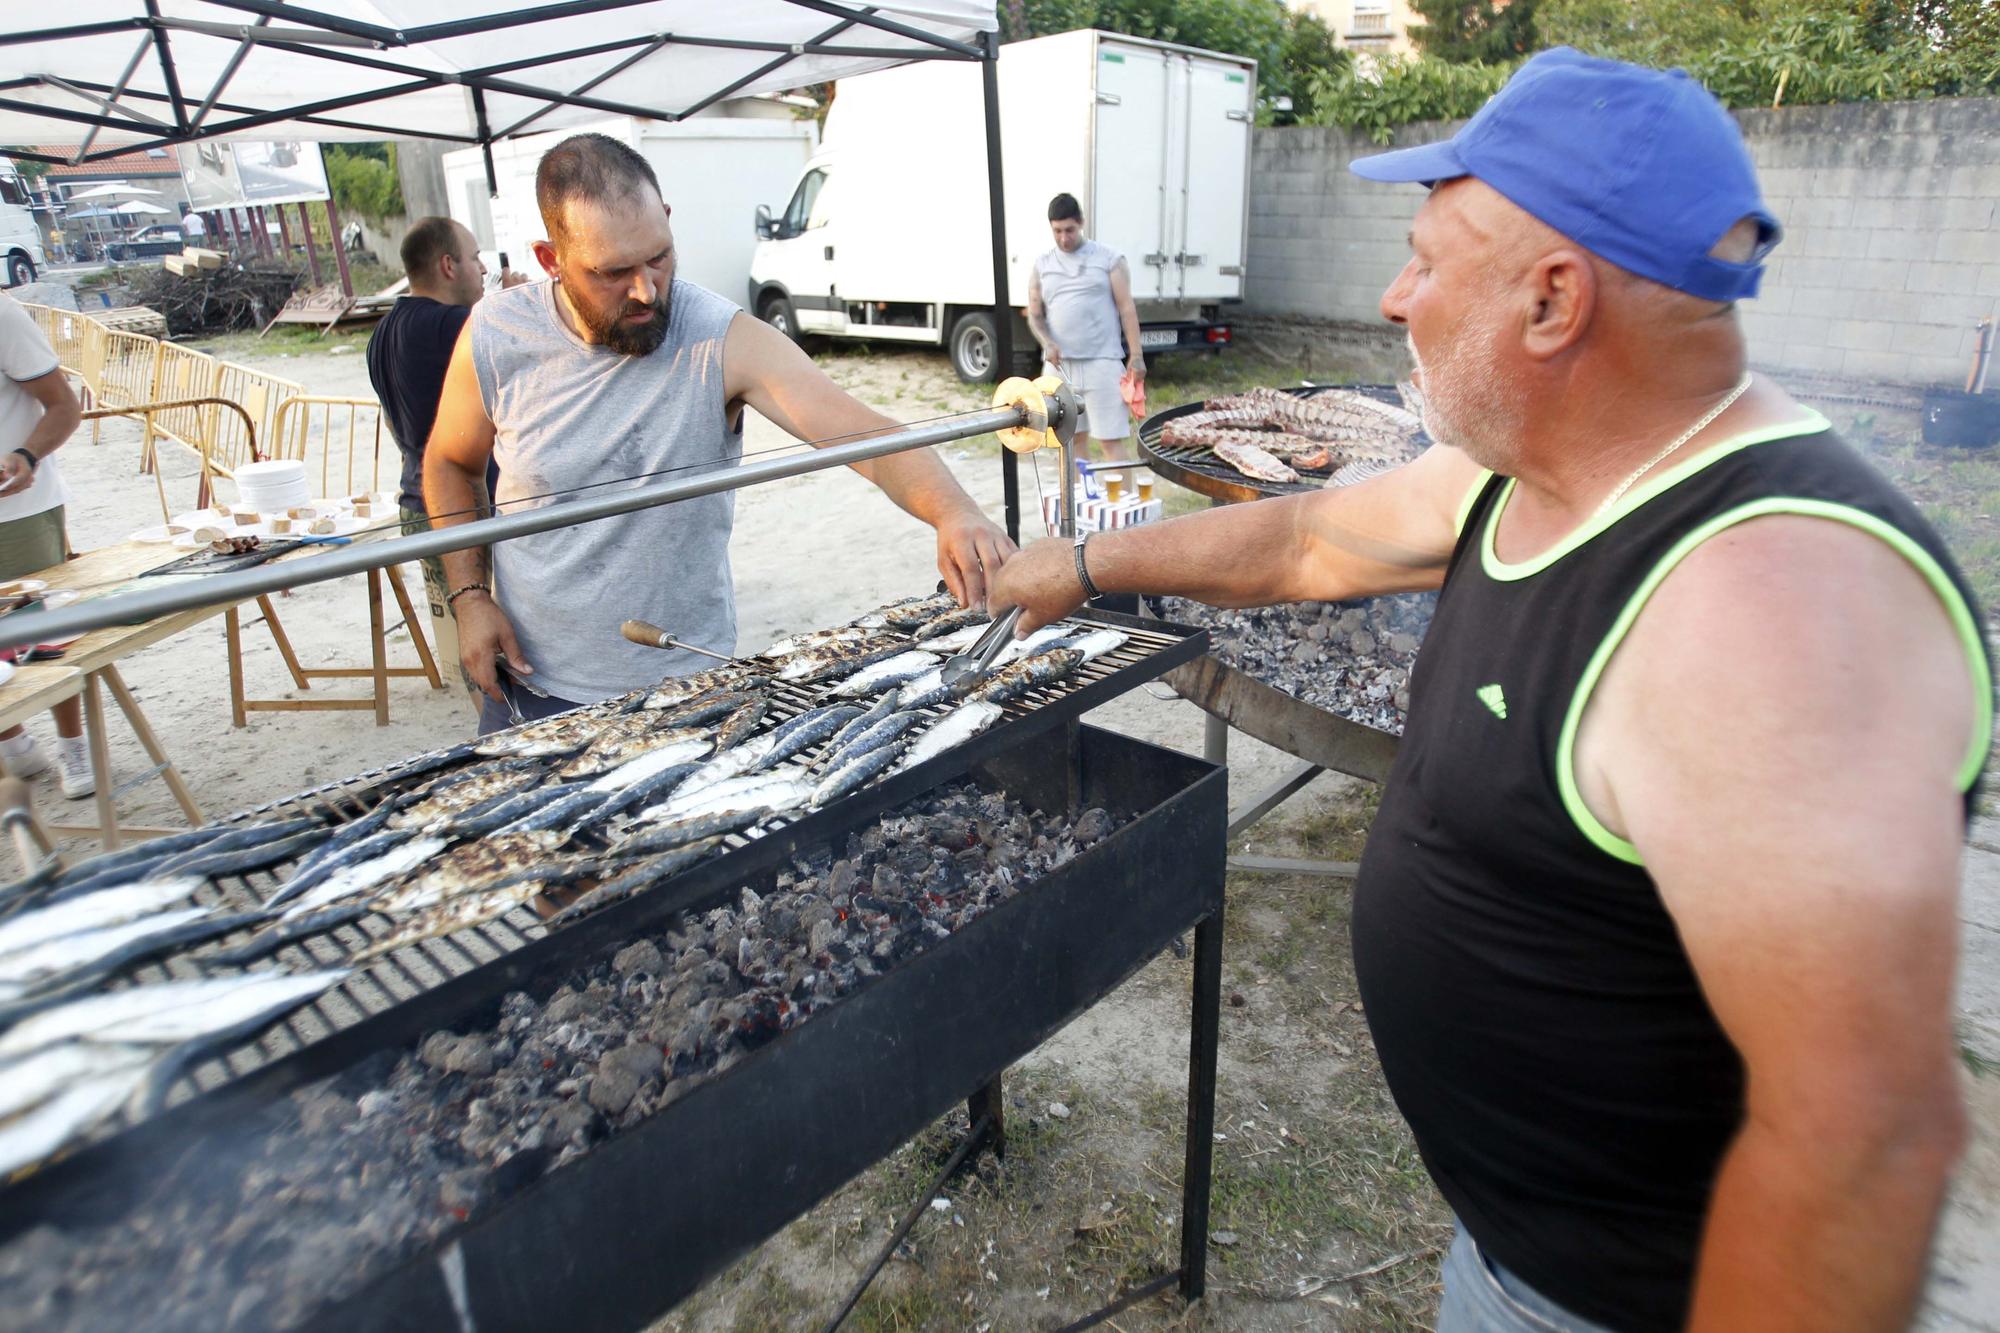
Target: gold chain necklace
[(1679, 440)]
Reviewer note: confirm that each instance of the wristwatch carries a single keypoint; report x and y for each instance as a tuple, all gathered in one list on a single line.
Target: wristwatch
[(1090, 592)]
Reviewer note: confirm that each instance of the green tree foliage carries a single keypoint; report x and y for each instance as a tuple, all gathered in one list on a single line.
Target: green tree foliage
[(362, 178), (1749, 53), (1475, 31), (1756, 52), (1291, 49), (1402, 89)]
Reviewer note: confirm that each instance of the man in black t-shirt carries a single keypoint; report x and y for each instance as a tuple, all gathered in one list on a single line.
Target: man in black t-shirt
[(406, 361)]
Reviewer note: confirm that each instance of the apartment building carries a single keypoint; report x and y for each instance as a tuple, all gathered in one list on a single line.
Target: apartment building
[(1367, 27)]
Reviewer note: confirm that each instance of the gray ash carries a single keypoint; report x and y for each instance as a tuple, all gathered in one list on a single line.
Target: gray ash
[(1350, 658), (260, 1228)]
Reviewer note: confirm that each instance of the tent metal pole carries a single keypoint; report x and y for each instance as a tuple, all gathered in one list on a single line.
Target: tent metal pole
[(167, 70), (77, 30), (1003, 310), (169, 595), (587, 84), (761, 70), (485, 143), (117, 91), (890, 25)]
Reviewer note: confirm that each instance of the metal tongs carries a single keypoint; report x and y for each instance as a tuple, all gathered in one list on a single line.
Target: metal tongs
[(963, 671), (505, 674)]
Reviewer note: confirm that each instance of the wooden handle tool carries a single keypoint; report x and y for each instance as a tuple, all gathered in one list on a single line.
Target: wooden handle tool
[(652, 636)]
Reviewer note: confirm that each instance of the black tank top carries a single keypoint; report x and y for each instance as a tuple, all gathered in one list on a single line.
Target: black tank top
[(1538, 1020)]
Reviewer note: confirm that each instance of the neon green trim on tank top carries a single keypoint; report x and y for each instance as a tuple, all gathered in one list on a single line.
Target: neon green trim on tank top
[(1471, 499), (1499, 569), (1961, 618)]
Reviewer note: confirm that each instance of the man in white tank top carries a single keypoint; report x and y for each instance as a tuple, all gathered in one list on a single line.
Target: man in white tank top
[(615, 370), (1080, 310)]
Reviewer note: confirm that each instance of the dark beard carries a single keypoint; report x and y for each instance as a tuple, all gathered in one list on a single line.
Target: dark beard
[(630, 339)]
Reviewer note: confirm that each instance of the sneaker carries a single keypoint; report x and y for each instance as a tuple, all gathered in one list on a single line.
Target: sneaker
[(77, 779), (22, 757)]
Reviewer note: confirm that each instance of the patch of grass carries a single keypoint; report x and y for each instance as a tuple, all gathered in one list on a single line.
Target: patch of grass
[(914, 1307), (1959, 492), (772, 1303), (293, 338), (1979, 1066)]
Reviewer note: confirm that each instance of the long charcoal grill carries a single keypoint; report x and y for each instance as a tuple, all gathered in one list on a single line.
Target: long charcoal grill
[(1196, 466), (595, 1244)]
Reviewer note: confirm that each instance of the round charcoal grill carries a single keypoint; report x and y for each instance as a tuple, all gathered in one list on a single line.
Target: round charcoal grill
[(1197, 468)]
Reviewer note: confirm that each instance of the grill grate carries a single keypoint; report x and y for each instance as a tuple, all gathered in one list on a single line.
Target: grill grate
[(404, 993), (1197, 468)]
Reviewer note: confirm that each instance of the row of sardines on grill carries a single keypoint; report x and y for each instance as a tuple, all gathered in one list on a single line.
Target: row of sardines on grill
[(583, 809)]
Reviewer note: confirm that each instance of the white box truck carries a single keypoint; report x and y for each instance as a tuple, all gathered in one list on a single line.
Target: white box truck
[(713, 168), (20, 238), (886, 234)]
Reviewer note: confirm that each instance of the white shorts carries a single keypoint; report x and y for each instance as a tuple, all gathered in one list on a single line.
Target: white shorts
[(1096, 383)]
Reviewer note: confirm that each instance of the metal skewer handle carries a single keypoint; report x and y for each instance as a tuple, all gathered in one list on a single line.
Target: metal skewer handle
[(652, 636)]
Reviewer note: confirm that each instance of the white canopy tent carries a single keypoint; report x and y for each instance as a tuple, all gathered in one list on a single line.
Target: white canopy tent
[(143, 74)]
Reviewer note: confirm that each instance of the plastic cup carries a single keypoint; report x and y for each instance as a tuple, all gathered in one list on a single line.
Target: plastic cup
[(1144, 481), (1114, 486)]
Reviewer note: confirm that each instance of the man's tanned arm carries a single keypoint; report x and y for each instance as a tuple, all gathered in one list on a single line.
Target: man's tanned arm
[(1781, 737), (765, 369), (1392, 533), (454, 467)]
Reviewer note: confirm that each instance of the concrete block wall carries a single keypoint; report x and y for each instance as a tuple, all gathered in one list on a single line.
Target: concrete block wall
[(1891, 252)]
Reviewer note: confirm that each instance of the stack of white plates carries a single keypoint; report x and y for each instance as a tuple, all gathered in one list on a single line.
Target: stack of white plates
[(273, 486)]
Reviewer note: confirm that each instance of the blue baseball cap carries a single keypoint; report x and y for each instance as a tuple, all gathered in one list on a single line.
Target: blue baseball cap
[(1639, 166)]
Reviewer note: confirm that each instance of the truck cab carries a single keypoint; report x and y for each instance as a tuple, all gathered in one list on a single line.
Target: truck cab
[(21, 239)]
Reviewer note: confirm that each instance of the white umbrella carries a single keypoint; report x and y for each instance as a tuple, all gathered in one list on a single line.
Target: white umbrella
[(135, 207), (111, 188)]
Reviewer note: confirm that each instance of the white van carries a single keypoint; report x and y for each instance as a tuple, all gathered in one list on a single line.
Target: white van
[(886, 233), (21, 239)]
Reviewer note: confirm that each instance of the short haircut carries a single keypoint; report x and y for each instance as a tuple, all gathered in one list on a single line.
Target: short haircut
[(430, 240), (1065, 208), (588, 166)]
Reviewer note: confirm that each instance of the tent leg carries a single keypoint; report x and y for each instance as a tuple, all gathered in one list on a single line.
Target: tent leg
[(1003, 309)]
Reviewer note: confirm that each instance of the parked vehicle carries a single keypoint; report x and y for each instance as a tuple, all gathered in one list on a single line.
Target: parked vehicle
[(713, 168), (20, 245), (886, 235), (162, 238)]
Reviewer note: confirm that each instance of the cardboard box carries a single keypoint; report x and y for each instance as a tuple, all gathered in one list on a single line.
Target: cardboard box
[(1097, 515)]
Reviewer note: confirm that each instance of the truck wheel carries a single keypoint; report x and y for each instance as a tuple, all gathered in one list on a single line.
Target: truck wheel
[(777, 311), (974, 348), (20, 270)]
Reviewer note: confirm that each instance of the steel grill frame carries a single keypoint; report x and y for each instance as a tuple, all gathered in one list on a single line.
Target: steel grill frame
[(431, 984)]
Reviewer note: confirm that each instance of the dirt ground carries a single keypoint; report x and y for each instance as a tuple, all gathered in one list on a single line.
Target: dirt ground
[(1323, 1217)]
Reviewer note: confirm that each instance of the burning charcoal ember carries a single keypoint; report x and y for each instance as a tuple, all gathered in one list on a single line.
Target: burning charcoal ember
[(1352, 659), (349, 1177)]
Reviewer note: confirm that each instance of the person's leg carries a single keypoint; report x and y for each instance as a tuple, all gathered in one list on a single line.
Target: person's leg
[(1110, 419), (1482, 1297), (28, 546)]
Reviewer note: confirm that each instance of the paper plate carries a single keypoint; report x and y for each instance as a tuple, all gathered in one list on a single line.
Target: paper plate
[(15, 587), (157, 533), (6, 672)]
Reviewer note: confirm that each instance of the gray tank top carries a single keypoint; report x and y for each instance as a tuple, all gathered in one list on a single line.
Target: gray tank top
[(1076, 290), (568, 414)]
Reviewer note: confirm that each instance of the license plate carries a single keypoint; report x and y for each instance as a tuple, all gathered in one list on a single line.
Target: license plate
[(1159, 337)]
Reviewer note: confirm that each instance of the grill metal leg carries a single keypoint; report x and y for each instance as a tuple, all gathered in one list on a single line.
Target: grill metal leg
[(1204, 1040), (990, 1105), (1214, 739)]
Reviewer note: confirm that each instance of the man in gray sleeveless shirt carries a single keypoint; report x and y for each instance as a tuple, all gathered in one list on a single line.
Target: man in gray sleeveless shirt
[(617, 370), (1080, 310)]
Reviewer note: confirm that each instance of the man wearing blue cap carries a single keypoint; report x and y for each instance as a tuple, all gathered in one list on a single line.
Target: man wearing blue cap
[(1656, 926)]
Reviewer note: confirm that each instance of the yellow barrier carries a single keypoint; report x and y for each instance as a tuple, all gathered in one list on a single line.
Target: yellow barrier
[(344, 434), (258, 394)]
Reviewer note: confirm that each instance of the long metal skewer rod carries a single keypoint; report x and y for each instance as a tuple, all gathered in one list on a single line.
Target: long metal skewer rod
[(185, 593)]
